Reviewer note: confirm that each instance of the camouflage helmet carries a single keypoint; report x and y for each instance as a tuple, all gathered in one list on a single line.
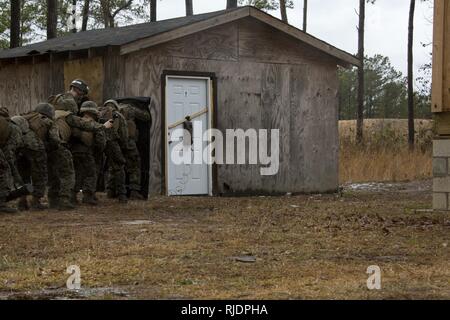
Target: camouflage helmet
[(89, 107), (80, 85), (114, 104), (22, 123), (46, 109), (65, 103)]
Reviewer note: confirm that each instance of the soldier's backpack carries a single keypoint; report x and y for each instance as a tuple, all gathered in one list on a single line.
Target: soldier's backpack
[(37, 123), (87, 138), (65, 132), (5, 131)]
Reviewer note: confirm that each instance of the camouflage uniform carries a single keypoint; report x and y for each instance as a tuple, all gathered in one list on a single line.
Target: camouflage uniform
[(116, 141), (11, 142), (5, 177), (131, 152), (62, 174), (82, 146), (32, 164)]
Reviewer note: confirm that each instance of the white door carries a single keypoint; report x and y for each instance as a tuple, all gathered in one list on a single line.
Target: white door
[(187, 96)]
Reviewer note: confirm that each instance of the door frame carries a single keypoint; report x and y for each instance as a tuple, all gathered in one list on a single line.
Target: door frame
[(212, 123)]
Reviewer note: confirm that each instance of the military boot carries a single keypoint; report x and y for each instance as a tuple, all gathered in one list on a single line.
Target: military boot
[(74, 199), (53, 203), (4, 208), (111, 194), (65, 204), (22, 205), (88, 198), (37, 205), (123, 199), (135, 195)]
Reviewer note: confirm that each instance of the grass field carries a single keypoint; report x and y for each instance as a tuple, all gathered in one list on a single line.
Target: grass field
[(298, 247), (292, 247)]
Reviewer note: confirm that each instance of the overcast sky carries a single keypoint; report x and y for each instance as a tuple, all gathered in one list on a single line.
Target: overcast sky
[(335, 21)]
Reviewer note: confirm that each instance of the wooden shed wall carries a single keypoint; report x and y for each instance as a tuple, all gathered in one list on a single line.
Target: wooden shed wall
[(265, 80), (22, 86)]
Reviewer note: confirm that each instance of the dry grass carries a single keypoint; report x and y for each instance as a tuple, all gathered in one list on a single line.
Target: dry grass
[(305, 247), (384, 155)]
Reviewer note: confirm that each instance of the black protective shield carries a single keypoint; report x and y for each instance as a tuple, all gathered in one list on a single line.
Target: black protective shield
[(143, 142)]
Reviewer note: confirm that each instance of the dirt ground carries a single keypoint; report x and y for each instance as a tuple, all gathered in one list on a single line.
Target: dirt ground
[(291, 247)]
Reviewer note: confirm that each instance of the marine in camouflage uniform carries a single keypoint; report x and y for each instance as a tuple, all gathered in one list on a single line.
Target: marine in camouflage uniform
[(78, 91), (32, 164), (60, 161), (83, 144), (10, 142), (130, 151), (40, 136), (5, 177), (116, 141)]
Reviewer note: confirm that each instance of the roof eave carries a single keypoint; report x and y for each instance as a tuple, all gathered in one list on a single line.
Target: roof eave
[(185, 30), (343, 58)]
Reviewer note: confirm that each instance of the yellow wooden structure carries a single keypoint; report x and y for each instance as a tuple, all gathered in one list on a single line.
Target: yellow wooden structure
[(441, 105)]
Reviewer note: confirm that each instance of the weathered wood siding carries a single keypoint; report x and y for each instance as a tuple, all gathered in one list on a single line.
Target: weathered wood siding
[(22, 86), (91, 71), (265, 80)]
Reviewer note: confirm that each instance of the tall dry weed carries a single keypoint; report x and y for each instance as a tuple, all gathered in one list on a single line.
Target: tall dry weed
[(384, 155)]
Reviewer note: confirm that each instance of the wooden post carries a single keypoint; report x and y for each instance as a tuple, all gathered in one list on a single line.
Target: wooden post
[(440, 105)]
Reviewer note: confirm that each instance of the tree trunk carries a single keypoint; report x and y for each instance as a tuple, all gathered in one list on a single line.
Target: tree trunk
[(360, 110), (106, 12), (153, 10), (410, 75), (305, 14), (232, 4), (189, 8), (283, 11), (14, 40), (74, 11), (52, 19), (85, 15)]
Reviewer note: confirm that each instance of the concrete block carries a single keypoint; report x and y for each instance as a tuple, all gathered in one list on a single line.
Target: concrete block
[(441, 184), (440, 167), (440, 201), (441, 148)]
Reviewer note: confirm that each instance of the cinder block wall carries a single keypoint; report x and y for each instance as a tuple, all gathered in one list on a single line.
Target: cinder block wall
[(441, 174)]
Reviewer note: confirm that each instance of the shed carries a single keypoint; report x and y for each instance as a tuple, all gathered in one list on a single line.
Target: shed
[(233, 69)]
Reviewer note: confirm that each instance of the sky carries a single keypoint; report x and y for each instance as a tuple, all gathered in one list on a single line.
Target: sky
[(335, 21)]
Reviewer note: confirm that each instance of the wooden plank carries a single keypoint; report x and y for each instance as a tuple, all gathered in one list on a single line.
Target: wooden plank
[(446, 78), (276, 115), (260, 42), (185, 31), (438, 56), (113, 69), (442, 121), (314, 130), (91, 71), (219, 43), (341, 55)]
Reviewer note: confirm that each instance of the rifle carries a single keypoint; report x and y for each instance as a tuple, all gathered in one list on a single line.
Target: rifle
[(21, 191)]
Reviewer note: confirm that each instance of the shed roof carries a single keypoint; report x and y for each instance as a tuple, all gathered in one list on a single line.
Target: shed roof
[(144, 35)]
